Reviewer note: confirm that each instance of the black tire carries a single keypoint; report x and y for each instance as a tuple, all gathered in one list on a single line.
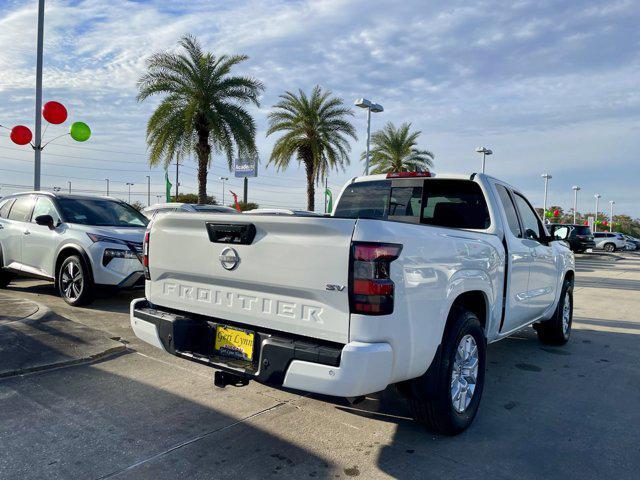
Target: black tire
[(5, 278), (75, 285), (555, 331), (430, 396), (609, 247)]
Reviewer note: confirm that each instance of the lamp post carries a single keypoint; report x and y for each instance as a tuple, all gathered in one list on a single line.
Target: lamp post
[(575, 189), (107, 180), (37, 141), (223, 179), (370, 107), (611, 204), (595, 222), (129, 185), (546, 177), (69, 182), (148, 191), (484, 151)]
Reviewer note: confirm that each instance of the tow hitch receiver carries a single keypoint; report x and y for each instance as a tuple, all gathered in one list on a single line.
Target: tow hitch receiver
[(222, 379)]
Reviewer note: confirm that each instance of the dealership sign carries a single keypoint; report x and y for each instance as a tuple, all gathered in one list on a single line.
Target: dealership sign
[(246, 167)]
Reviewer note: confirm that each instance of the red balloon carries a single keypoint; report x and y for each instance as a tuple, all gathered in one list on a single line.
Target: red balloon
[(605, 223), (54, 112), (21, 135), (586, 222), (556, 213)]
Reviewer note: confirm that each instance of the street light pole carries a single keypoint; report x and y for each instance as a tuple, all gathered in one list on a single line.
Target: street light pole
[(224, 179), (595, 222), (575, 189), (611, 204), (107, 180), (148, 191), (546, 177), (484, 151), (370, 107), (129, 185), (37, 148), (69, 182)]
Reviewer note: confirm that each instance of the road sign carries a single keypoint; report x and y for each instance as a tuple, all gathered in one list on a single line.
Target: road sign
[(246, 167)]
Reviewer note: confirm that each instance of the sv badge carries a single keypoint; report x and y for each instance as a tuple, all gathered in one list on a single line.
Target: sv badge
[(333, 288)]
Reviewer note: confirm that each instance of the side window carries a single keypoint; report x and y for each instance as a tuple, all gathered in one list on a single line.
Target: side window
[(21, 209), (510, 210), (528, 215), (44, 206), (561, 233), (5, 207), (454, 204)]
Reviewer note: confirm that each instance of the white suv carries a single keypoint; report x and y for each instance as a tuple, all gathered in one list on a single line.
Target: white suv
[(78, 242), (609, 242)]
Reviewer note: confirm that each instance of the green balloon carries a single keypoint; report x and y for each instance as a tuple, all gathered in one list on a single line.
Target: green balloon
[(80, 131)]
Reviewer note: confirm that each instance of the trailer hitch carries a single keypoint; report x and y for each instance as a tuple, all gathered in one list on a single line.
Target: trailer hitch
[(222, 379)]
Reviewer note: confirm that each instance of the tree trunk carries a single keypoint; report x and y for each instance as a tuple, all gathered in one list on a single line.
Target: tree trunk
[(203, 151), (311, 189)]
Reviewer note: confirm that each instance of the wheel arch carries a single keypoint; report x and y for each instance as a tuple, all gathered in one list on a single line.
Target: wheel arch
[(474, 301), (64, 252)]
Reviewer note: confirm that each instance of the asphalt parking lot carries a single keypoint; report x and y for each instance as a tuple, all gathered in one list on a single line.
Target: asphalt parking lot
[(134, 412)]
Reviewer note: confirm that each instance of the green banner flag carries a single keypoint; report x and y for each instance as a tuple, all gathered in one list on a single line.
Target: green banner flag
[(329, 196), (167, 186)]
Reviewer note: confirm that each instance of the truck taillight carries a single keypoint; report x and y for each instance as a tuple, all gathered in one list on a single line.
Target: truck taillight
[(145, 255), (371, 289)]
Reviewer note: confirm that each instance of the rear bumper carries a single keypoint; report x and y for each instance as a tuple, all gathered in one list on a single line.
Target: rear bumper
[(280, 359)]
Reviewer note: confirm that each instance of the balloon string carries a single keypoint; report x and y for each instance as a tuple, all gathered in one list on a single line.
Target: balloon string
[(6, 128), (45, 131), (54, 138)]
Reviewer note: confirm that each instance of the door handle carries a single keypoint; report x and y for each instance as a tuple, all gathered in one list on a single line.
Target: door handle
[(27, 232)]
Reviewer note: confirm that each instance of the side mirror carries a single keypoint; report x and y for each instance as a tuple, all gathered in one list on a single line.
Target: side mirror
[(46, 220)]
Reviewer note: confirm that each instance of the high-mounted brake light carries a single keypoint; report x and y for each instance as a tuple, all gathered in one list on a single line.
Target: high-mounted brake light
[(408, 174), (145, 255), (371, 288)]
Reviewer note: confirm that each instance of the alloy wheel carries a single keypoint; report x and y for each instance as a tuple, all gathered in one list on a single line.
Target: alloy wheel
[(72, 281), (566, 314), (464, 374)]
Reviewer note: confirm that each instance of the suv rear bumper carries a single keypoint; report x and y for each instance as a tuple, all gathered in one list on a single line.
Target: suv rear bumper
[(310, 365)]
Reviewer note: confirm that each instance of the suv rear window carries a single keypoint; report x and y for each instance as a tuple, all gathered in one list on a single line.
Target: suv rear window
[(582, 230), (444, 203)]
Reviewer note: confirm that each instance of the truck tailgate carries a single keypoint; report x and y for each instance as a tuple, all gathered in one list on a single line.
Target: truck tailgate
[(280, 281)]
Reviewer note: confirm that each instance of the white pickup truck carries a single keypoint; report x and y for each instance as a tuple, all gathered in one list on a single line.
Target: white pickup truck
[(405, 283)]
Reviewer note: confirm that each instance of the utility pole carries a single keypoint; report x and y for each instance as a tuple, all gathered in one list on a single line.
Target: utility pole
[(575, 189), (595, 222), (546, 177), (69, 182), (37, 148), (148, 191), (107, 180), (223, 179), (611, 204), (129, 185)]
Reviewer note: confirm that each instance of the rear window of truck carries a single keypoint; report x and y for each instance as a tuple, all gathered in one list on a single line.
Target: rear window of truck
[(444, 203)]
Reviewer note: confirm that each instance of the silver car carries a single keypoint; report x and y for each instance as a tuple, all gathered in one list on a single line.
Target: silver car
[(169, 207), (79, 242), (609, 241)]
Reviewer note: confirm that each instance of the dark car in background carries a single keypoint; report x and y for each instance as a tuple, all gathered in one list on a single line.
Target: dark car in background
[(579, 237)]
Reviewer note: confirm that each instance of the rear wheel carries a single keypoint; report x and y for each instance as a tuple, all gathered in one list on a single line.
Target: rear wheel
[(557, 330), (609, 247), (446, 398), (74, 282), (5, 278)]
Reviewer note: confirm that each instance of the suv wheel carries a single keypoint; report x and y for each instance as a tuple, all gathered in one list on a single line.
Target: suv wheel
[(557, 329), (74, 282), (446, 398), (609, 247), (5, 278)]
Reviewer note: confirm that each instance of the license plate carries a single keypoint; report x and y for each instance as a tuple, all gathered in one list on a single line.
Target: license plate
[(234, 342)]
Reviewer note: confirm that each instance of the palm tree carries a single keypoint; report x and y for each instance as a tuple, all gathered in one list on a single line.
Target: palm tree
[(202, 109), (315, 129), (394, 150)]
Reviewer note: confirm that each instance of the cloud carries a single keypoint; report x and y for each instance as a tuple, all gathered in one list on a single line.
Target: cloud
[(547, 84)]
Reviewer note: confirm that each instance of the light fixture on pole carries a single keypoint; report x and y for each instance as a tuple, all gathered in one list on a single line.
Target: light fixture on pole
[(370, 107), (107, 180), (223, 179), (595, 222), (129, 185), (611, 204), (575, 189), (484, 151), (546, 177)]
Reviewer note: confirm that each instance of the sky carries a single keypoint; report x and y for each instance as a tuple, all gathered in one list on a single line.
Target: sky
[(550, 86)]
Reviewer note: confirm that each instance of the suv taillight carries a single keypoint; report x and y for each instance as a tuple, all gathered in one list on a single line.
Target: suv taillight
[(371, 290), (145, 255)]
